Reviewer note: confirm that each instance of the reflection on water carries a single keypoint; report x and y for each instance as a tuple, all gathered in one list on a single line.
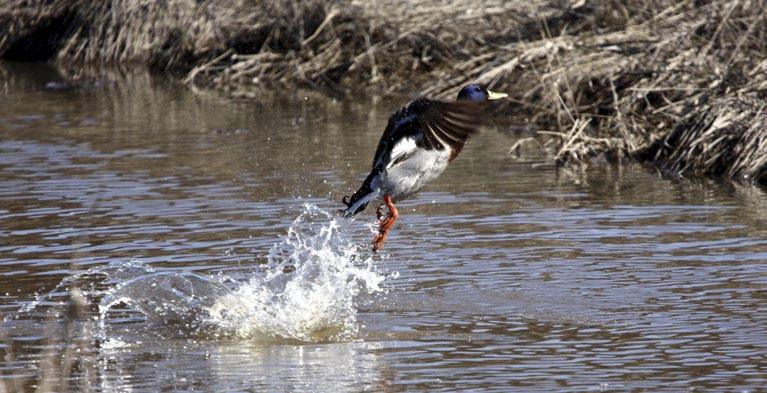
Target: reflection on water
[(345, 366), (511, 272)]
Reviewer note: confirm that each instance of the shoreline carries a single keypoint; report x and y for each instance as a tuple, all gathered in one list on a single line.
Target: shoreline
[(682, 86)]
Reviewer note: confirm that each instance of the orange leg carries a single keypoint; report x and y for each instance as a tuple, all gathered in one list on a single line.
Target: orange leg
[(386, 224)]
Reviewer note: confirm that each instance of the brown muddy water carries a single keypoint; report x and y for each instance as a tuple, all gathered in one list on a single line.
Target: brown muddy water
[(203, 237)]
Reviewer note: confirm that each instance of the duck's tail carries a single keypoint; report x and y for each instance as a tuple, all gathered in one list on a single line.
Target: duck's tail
[(360, 199)]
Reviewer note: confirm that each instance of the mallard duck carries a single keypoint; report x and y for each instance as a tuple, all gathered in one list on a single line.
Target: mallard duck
[(419, 142)]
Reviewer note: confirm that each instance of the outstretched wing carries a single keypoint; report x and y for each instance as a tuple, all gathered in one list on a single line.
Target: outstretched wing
[(448, 123), (427, 124)]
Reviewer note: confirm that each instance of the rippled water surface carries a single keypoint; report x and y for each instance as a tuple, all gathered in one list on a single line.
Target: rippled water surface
[(200, 236)]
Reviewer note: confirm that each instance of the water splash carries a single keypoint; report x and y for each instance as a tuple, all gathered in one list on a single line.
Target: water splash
[(92, 281), (307, 290)]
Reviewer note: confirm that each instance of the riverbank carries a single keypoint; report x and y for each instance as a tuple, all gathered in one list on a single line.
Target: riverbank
[(681, 85)]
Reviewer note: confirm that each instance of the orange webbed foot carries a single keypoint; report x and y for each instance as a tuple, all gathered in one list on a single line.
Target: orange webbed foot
[(386, 224)]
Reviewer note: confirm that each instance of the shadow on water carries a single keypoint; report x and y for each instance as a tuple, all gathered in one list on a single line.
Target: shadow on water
[(196, 232)]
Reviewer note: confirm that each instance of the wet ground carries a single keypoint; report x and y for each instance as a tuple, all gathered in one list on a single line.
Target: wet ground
[(506, 272)]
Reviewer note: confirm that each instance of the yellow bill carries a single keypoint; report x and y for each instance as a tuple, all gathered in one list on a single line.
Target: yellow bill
[(491, 95)]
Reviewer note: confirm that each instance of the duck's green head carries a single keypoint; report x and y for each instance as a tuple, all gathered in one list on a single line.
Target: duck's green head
[(477, 93)]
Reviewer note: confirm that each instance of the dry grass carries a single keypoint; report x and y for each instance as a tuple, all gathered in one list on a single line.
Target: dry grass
[(680, 83)]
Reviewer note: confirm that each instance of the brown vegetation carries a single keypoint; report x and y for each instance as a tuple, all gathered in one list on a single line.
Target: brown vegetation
[(678, 83)]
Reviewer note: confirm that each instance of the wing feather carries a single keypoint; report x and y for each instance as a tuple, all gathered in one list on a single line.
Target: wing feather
[(434, 125), (452, 122)]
